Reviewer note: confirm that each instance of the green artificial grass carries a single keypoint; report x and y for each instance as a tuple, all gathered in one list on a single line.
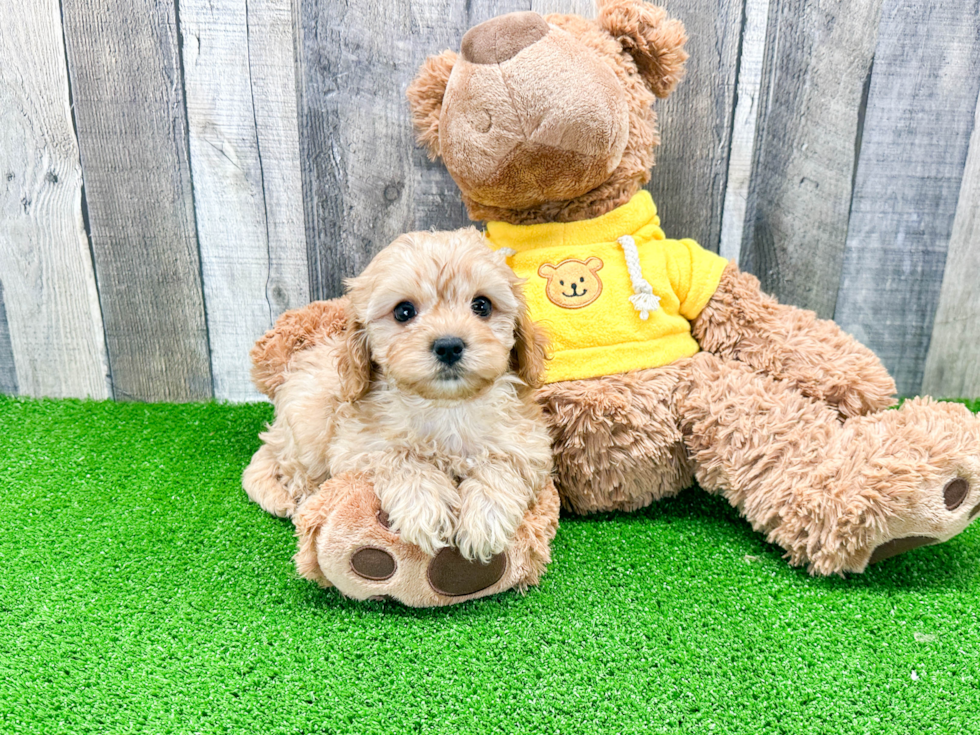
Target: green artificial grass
[(141, 592)]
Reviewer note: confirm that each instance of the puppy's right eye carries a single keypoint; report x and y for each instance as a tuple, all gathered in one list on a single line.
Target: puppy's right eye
[(405, 311)]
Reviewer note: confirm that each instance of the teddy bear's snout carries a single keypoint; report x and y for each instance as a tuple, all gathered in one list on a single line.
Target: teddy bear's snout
[(498, 39), (513, 139)]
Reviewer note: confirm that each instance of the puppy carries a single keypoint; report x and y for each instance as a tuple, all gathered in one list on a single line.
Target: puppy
[(427, 388)]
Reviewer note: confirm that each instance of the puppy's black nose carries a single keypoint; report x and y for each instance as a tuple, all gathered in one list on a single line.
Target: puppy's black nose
[(448, 350)]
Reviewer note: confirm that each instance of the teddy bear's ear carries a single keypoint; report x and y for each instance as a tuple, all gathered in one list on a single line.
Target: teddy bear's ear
[(425, 95), (594, 264), (655, 41), (547, 270)]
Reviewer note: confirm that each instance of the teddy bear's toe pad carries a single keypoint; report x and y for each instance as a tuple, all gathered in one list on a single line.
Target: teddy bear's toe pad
[(373, 563), (345, 541), (955, 493), (899, 546), (451, 574)]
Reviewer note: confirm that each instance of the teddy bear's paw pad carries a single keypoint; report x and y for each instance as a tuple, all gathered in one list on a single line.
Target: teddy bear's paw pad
[(453, 575), (383, 520), (942, 514), (373, 563), (955, 493), (899, 546)]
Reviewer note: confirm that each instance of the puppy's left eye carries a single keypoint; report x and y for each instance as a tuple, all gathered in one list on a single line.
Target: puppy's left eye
[(481, 306)]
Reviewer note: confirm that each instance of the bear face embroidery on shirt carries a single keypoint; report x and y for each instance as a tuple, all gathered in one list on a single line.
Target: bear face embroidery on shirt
[(572, 283)]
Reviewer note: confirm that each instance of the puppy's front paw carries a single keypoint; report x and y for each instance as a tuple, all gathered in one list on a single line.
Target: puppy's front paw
[(485, 527), (427, 525)]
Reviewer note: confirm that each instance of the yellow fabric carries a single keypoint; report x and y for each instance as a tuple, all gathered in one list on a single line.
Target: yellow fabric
[(606, 335)]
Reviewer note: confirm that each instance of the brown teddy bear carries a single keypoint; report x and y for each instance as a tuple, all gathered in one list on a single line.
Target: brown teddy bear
[(669, 364)]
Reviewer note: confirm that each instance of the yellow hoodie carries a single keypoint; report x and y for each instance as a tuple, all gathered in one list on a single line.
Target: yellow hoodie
[(613, 292)]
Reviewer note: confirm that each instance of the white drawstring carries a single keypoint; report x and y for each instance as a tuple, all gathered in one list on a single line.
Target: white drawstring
[(643, 299), (506, 252)]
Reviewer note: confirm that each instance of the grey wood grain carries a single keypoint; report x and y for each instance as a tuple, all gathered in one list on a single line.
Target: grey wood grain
[(920, 115), (953, 362), (688, 180), (239, 75), (129, 110), (364, 180), (818, 56), (744, 121), (8, 371), (585, 8), (52, 326)]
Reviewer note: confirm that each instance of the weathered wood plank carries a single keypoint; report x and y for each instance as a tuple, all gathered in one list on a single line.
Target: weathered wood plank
[(744, 127), (52, 326), (688, 181), (953, 363), (129, 110), (818, 56), (8, 371), (364, 180), (585, 8), (239, 76), (355, 136), (920, 115)]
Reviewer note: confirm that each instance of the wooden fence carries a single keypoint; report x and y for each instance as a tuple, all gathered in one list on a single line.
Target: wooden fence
[(175, 175)]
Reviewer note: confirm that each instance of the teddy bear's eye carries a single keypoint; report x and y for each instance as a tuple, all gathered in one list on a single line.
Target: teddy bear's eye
[(481, 306), (404, 311), (561, 283), (582, 279)]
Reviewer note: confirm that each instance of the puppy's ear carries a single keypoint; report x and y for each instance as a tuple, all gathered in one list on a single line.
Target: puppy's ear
[(312, 514), (530, 351), (655, 41), (425, 95), (354, 364)]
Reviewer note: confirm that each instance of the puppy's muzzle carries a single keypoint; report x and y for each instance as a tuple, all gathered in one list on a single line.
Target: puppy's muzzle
[(448, 350)]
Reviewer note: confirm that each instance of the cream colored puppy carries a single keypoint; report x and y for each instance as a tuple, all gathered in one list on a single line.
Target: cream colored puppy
[(427, 389)]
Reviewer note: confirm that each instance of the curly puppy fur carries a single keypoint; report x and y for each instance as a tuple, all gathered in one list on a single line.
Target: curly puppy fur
[(457, 452)]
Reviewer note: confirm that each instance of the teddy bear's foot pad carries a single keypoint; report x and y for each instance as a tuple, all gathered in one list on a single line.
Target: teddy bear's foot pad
[(345, 541), (899, 546), (451, 574), (955, 493), (373, 563)]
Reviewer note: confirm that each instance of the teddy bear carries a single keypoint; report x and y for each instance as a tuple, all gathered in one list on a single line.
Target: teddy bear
[(669, 365)]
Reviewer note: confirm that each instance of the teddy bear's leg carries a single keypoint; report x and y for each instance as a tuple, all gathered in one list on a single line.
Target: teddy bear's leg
[(814, 355), (344, 541), (835, 495), (616, 441)]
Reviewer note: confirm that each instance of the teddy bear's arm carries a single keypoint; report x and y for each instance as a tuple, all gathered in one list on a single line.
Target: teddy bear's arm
[(792, 344)]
